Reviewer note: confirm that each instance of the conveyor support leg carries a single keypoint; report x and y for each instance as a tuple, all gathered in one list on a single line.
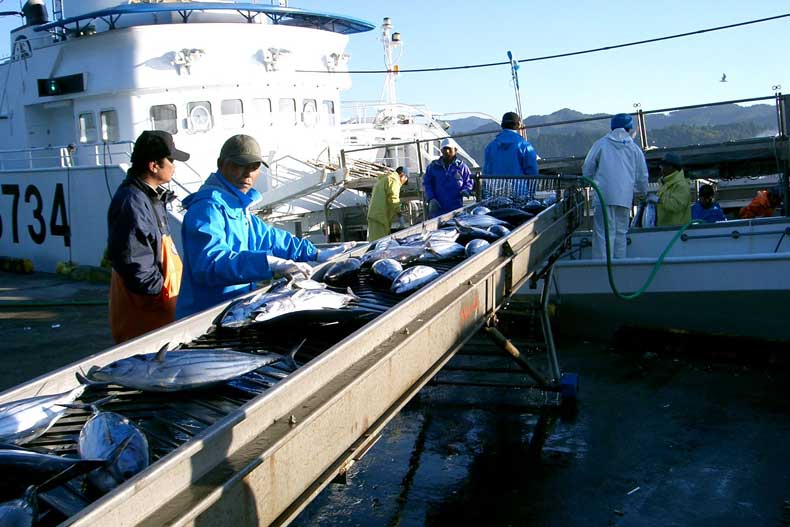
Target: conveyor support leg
[(505, 343), (548, 337)]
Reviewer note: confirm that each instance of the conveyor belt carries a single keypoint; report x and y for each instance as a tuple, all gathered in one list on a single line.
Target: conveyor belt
[(209, 446)]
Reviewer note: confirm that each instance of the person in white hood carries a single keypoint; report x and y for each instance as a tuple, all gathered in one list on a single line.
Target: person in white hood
[(618, 166)]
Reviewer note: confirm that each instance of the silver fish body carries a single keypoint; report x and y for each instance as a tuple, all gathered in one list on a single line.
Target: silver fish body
[(649, 215), (480, 209), (238, 314), (413, 278), (387, 269), (480, 221), (20, 512), (403, 254), (438, 251), (185, 369), (25, 420), (476, 246), (499, 230), (385, 243), (304, 300), (636, 221), (342, 271), (110, 436)]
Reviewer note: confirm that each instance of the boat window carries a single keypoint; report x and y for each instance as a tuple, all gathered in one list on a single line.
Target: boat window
[(109, 126), (329, 113), (163, 117), (262, 108), (232, 113), (287, 111), (87, 128), (200, 117), (310, 112)]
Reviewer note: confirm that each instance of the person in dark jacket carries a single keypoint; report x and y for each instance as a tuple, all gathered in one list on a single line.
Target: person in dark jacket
[(510, 155), (447, 181), (146, 268), (705, 208)]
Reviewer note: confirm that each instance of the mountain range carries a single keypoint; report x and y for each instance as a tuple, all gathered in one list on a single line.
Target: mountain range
[(707, 125)]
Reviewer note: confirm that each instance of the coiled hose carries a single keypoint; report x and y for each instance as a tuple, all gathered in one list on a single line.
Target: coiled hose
[(656, 266)]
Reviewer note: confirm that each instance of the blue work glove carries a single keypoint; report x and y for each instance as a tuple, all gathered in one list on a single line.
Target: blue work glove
[(289, 268), (434, 208), (325, 255)]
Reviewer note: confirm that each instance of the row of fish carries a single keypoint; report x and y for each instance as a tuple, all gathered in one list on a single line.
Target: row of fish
[(111, 448)]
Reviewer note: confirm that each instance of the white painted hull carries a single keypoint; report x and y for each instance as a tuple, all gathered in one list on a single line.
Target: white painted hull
[(728, 279)]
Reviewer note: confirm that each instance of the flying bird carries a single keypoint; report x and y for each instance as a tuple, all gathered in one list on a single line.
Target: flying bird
[(723, 77)]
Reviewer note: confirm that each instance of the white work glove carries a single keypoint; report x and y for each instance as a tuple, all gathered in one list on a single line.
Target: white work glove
[(289, 268), (325, 255)]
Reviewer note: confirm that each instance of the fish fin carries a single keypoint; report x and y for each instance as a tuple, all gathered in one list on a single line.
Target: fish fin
[(160, 355), (350, 293), (291, 358), (82, 377), (117, 451)]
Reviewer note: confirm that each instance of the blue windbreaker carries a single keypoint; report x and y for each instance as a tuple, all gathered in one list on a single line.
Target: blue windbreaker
[(225, 246), (510, 155), (445, 183), (711, 215)]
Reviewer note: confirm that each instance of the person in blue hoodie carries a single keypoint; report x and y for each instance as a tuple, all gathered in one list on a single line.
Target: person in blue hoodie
[(705, 208), (447, 181), (510, 155), (226, 247)]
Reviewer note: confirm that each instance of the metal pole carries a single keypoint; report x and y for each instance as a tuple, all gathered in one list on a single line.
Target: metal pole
[(551, 350), (420, 175), (504, 343)]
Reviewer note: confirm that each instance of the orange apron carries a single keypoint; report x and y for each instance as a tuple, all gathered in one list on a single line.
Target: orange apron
[(131, 314)]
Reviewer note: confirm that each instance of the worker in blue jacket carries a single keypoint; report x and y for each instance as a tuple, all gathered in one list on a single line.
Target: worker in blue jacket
[(447, 181), (510, 155), (705, 208), (226, 247)]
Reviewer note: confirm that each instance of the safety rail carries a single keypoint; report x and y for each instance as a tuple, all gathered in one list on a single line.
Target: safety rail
[(67, 156), (263, 462)]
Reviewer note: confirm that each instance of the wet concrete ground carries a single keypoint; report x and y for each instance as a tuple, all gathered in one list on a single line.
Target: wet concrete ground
[(656, 439)]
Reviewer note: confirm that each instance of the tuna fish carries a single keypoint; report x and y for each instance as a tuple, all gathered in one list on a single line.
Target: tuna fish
[(438, 251), (512, 215), (238, 313), (534, 206), (404, 255), (413, 278), (498, 202), (385, 243), (499, 230), (184, 369), (479, 221), (472, 233), (636, 221), (303, 300), (108, 435), (341, 272), (480, 209), (22, 468), (475, 246), (24, 420), (20, 512), (387, 269), (446, 235)]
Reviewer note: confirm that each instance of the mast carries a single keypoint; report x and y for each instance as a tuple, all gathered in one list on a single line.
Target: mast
[(390, 41)]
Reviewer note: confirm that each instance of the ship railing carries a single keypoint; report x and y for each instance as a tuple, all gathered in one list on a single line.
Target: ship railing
[(66, 156)]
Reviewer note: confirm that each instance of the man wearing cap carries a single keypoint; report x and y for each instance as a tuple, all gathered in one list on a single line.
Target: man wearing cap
[(617, 165), (674, 194), (510, 155), (447, 181), (146, 268), (385, 202), (227, 248)]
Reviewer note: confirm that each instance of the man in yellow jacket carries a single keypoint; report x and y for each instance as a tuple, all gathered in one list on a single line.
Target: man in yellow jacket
[(385, 202), (674, 194)]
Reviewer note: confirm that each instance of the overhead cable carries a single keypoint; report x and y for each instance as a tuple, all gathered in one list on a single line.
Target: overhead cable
[(562, 55)]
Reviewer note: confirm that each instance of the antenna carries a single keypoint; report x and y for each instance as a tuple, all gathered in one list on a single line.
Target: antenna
[(390, 41)]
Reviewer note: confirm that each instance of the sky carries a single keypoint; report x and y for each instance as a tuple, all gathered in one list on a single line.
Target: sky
[(665, 74)]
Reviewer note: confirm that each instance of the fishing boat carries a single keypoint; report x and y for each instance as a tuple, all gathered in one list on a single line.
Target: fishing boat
[(78, 89)]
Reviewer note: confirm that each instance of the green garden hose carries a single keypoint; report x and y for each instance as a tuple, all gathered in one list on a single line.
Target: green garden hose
[(658, 263)]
